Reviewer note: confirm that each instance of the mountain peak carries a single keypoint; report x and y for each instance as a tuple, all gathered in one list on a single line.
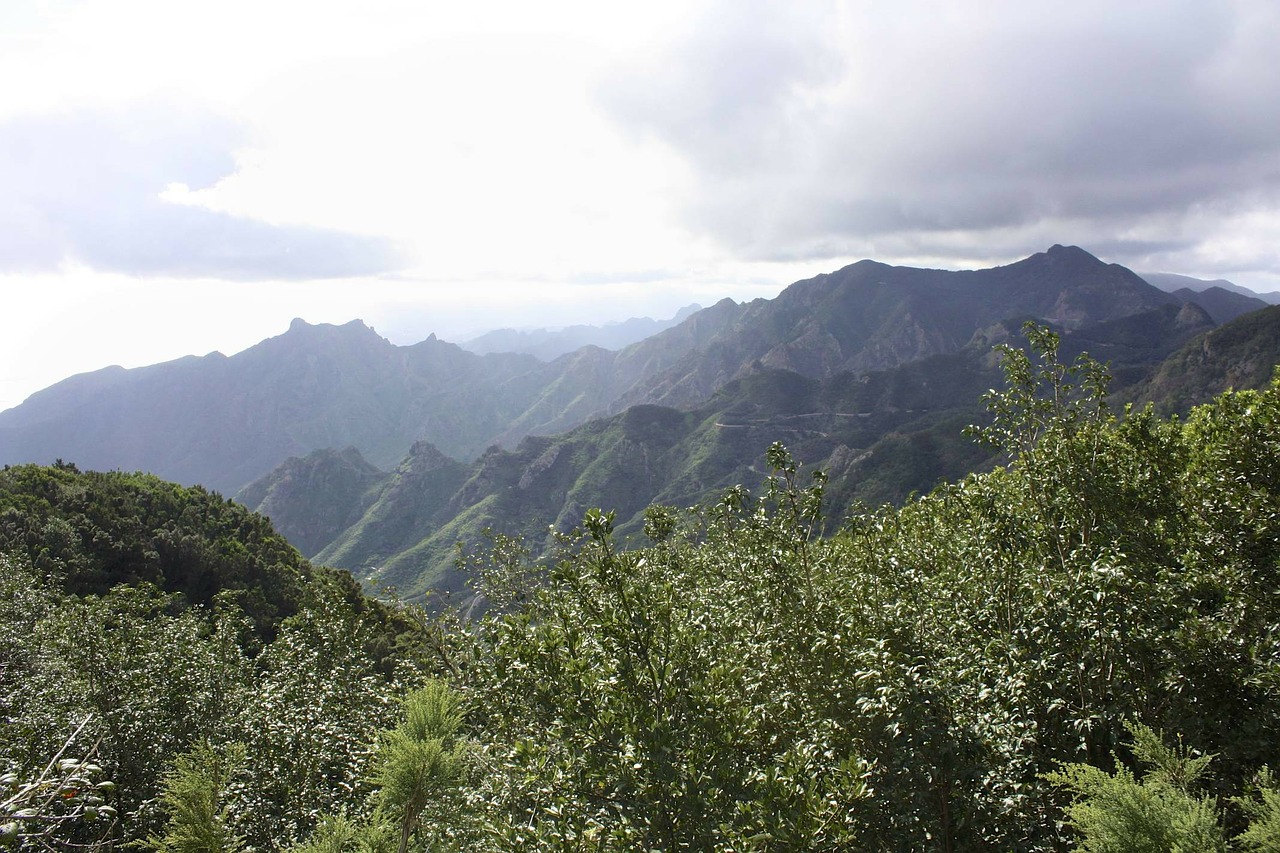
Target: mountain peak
[(298, 325), (353, 330), (424, 455), (1070, 254), (1066, 261), (1192, 315)]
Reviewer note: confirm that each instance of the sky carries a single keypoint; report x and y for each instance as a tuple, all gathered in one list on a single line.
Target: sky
[(179, 178)]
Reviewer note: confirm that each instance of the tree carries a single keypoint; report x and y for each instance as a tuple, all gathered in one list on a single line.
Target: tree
[(193, 795), (1262, 806), (670, 697), (1120, 813), (420, 762), (317, 703)]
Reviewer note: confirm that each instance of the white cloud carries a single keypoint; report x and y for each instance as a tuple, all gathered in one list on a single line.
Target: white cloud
[(931, 125), (96, 188)]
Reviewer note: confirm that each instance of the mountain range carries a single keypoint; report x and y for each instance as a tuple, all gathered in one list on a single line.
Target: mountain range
[(381, 458), (879, 436), (549, 344), (1173, 283)]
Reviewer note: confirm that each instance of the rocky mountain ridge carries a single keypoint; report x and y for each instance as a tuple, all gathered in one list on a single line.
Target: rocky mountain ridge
[(226, 421)]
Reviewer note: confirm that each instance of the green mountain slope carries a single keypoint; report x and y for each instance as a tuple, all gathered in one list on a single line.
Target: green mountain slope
[(879, 436), (412, 498), (312, 500), (1242, 354)]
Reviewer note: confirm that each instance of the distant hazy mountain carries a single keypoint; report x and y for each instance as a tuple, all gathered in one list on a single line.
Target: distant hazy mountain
[(223, 421), (1172, 282), (548, 344)]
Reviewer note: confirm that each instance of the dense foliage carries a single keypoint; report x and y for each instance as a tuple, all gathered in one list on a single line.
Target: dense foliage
[(93, 531), (999, 665), (140, 620), (908, 683)]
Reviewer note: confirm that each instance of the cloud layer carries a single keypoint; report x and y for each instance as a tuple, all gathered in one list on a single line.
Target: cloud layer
[(89, 188), (919, 128)]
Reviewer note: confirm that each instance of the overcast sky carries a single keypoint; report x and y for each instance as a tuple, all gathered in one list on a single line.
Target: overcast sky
[(180, 177)]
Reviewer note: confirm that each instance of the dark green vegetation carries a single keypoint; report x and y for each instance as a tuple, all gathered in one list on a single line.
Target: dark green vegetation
[(140, 619), (945, 655), (89, 532), (1241, 354), (1019, 661)]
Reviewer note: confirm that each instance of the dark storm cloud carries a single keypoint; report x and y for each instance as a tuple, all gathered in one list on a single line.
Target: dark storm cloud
[(85, 188), (918, 126)]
